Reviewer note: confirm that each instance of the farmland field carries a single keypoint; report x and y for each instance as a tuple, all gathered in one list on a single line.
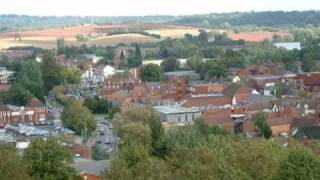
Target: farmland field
[(47, 38), (257, 36)]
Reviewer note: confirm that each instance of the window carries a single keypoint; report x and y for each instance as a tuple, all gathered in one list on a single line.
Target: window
[(186, 117), (179, 118), (192, 117)]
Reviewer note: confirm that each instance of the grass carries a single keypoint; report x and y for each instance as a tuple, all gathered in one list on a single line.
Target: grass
[(174, 33)]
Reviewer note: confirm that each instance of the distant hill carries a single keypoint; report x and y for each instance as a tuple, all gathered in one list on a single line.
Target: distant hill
[(22, 22), (274, 18), (270, 18)]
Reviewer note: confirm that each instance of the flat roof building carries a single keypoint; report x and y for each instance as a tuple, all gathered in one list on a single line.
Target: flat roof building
[(177, 115)]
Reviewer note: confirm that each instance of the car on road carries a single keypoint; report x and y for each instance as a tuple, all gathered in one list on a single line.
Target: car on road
[(107, 141)]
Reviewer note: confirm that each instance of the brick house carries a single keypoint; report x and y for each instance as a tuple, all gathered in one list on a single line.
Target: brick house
[(239, 91), (210, 88), (34, 113), (311, 81)]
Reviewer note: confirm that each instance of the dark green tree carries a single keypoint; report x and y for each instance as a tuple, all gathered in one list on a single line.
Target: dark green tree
[(307, 63), (52, 73), (17, 95), (213, 69), (150, 72), (135, 58), (30, 79), (170, 64)]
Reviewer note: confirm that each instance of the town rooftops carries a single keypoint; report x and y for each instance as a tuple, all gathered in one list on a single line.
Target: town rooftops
[(310, 79), (235, 88), (207, 101), (174, 110), (263, 78), (192, 74), (257, 98)]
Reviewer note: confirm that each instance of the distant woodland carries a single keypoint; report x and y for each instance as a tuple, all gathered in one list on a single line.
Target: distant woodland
[(270, 18)]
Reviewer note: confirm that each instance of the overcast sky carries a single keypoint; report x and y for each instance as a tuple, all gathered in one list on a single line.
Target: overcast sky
[(148, 7)]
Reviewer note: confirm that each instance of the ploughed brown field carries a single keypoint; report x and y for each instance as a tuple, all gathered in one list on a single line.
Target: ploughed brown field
[(47, 38), (257, 36)]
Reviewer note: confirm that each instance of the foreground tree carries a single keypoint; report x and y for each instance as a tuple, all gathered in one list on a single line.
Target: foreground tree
[(46, 159), (299, 164), (11, 166), (150, 72), (199, 151)]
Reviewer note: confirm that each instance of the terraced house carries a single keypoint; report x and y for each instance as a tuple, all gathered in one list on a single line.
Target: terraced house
[(34, 113)]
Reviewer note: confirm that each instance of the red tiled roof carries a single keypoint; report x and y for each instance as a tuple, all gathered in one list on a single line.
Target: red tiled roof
[(208, 100), (88, 176), (273, 121)]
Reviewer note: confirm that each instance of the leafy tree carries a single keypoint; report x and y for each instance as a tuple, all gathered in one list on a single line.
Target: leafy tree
[(72, 75), (78, 118), (30, 79), (203, 37), (46, 159), (135, 59), (260, 120), (195, 63), (11, 166), (52, 73), (170, 64), (307, 63), (96, 105), (277, 38), (199, 151), (213, 69), (159, 147), (150, 72), (81, 38), (299, 164), (17, 96), (113, 111)]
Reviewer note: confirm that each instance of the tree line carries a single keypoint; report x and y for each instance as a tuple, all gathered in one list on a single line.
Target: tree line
[(147, 151)]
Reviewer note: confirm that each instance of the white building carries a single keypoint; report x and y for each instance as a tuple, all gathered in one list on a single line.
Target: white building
[(288, 45), (94, 58), (108, 71), (176, 115), (5, 75)]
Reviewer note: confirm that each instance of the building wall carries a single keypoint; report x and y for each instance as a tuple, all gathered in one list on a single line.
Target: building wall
[(284, 128), (184, 118), (31, 116)]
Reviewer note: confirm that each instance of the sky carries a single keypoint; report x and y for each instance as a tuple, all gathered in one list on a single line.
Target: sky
[(147, 7)]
